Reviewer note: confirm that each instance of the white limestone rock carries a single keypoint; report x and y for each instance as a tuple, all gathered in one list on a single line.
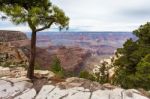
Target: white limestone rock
[(9, 89), (44, 73), (117, 93), (46, 89), (133, 94), (21, 88), (101, 94), (78, 93), (52, 92), (14, 80), (4, 71), (27, 94)]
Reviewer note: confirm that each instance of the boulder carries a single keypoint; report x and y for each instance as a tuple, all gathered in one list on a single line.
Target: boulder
[(45, 91), (16, 72), (44, 73), (4, 71), (117, 93), (27, 94), (10, 88), (109, 86), (101, 94), (133, 94), (80, 82)]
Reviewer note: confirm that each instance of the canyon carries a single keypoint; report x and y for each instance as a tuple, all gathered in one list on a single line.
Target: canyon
[(71, 58), (76, 51), (15, 48)]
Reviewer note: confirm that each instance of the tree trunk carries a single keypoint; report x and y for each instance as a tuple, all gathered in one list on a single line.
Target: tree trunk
[(30, 73)]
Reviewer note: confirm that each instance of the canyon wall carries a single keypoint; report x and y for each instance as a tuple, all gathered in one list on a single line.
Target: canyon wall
[(7, 36), (15, 49)]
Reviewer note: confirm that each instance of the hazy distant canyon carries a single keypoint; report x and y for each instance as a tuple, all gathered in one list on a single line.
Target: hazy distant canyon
[(98, 43), (75, 50)]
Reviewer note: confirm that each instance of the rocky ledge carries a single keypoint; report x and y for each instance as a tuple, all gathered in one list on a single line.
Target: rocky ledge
[(22, 88), (46, 87), (7, 36)]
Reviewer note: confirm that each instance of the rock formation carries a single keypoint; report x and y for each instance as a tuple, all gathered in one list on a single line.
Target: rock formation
[(71, 88), (72, 58), (7, 36), (10, 55), (17, 45)]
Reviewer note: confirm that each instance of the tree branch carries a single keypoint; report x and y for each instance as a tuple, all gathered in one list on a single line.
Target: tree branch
[(45, 27)]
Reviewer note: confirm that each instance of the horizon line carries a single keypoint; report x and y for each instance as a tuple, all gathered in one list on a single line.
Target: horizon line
[(78, 31)]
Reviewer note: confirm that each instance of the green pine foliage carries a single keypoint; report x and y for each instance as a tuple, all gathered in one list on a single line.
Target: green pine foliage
[(87, 75), (56, 68), (143, 73), (36, 13), (133, 65)]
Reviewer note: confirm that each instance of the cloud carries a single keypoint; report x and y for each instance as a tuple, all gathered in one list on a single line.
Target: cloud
[(101, 15), (140, 10), (125, 15), (136, 13)]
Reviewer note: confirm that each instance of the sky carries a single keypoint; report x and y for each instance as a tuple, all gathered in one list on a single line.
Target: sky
[(98, 15)]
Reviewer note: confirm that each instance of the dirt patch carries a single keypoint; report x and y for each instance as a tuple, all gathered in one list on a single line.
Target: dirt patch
[(38, 83)]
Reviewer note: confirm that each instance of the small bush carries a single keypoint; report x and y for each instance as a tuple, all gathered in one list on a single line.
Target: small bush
[(56, 68), (60, 74), (87, 75)]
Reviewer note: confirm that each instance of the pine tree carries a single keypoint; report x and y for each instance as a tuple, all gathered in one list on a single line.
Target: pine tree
[(133, 63), (39, 15)]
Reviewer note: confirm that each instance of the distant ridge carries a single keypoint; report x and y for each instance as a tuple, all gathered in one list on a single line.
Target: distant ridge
[(7, 36)]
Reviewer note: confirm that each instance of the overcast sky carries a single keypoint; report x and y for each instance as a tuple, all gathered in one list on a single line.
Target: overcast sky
[(99, 15)]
